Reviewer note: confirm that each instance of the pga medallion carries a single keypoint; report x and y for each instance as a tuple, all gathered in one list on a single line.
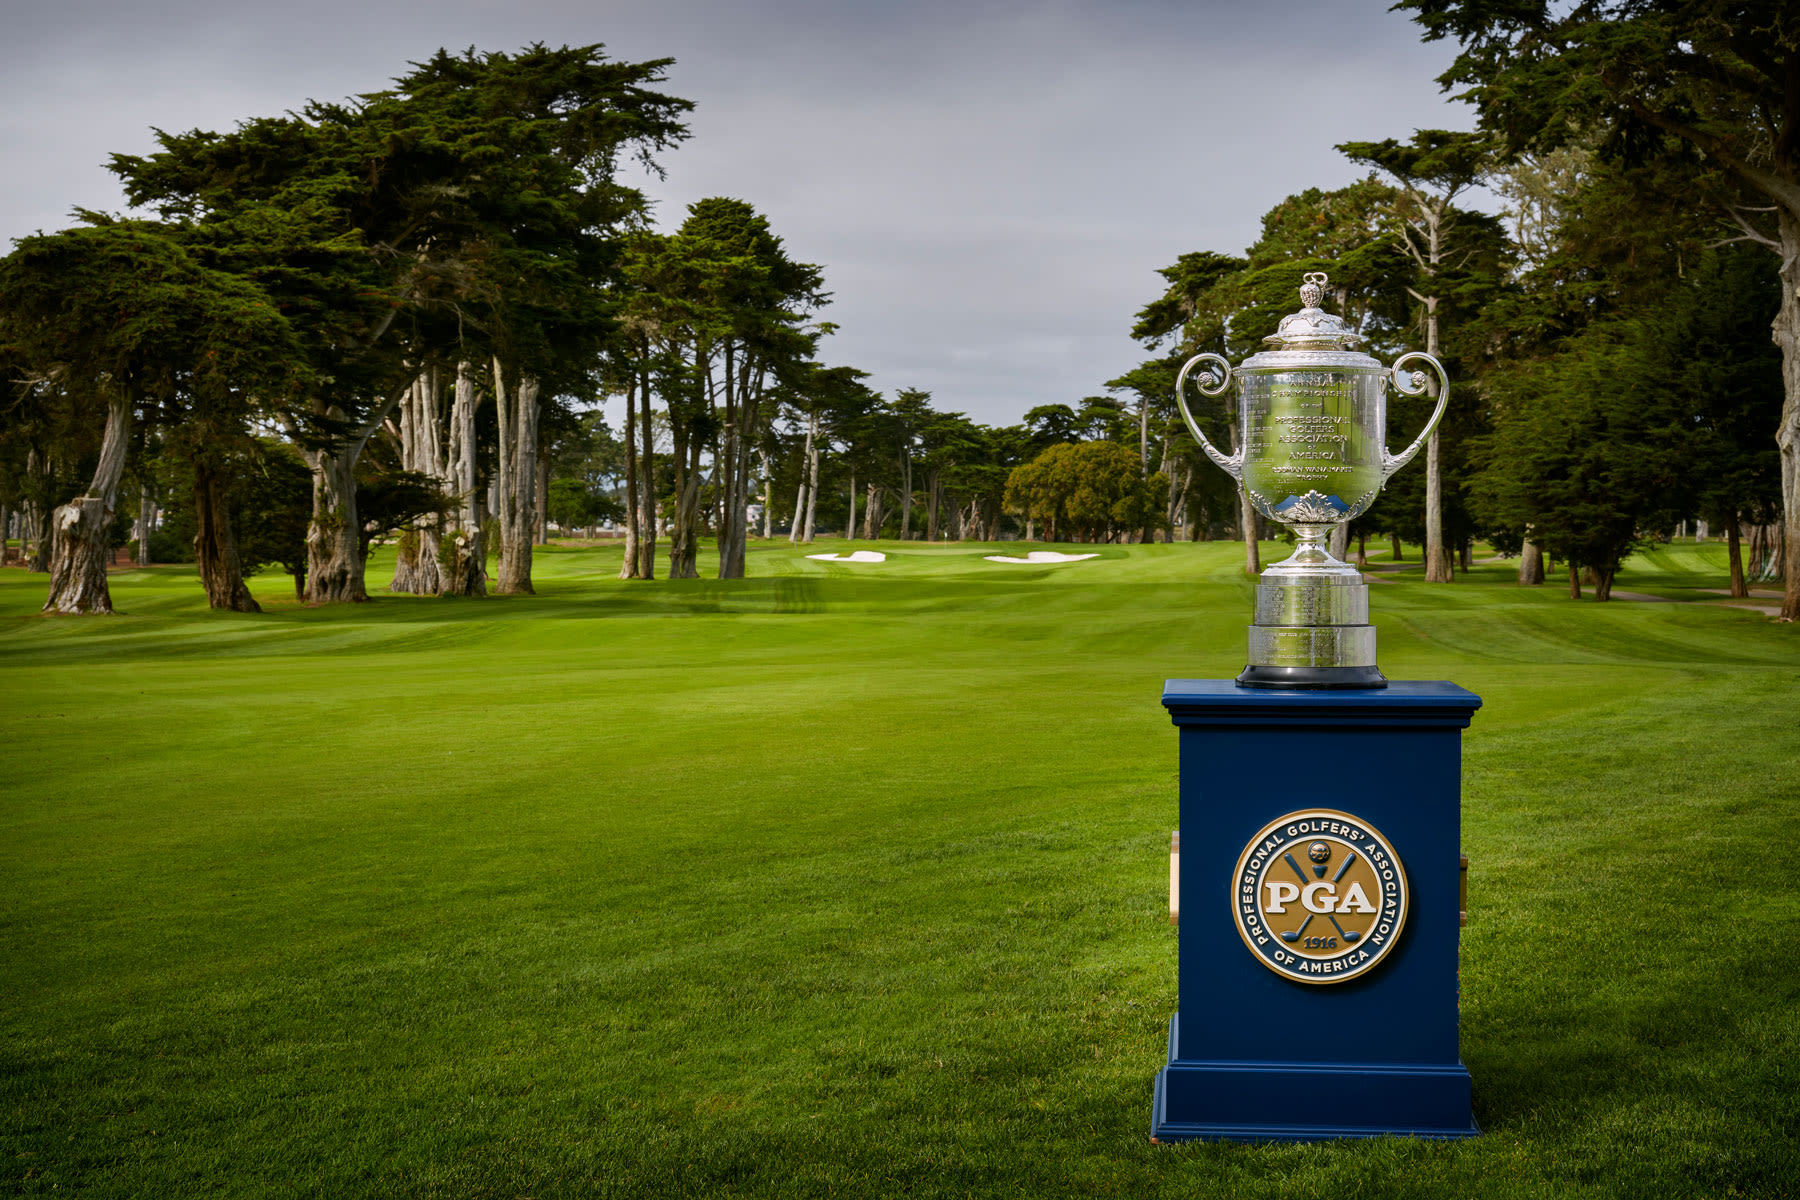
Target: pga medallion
[(1319, 896)]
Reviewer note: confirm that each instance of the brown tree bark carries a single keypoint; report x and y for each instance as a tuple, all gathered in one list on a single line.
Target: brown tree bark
[(1574, 582), (516, 480), (146, 519), (462, 558), (872, 514), (906, 495), (934, 502), (416, 566), (628, 565), (1738, 587), (850, 524), (684, 529), (1531, 563), (215, 543), (812, 481), (1787, 436), (768, 501), (540, 508), (1603, 582), (799, 532), (81, 528), (334, 562), (35, 537), (647, 486)]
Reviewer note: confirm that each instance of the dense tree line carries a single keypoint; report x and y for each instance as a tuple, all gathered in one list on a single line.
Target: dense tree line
[(397, 317), (1608, 339)]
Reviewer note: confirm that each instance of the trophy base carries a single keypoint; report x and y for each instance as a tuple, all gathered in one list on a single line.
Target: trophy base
[(1311, 678), (1312, 628)]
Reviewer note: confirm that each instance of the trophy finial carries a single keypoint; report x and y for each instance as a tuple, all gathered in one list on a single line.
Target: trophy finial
[(1313, 290)]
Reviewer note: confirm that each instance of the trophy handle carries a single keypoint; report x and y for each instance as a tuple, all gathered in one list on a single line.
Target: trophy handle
[(1231, 464), (1393, 462)]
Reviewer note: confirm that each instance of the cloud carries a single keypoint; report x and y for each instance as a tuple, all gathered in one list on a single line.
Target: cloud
[(989, 187)]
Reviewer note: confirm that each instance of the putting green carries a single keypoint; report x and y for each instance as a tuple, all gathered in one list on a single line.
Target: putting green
[(831, 882)]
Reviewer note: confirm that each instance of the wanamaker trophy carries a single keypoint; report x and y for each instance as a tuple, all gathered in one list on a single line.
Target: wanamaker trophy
[(1312, 452)]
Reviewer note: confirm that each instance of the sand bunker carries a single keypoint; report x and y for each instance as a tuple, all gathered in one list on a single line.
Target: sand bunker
[(854, 556), (1039, 557)]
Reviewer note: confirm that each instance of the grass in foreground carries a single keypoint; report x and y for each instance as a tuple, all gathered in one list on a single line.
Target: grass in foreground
[(834, 881)]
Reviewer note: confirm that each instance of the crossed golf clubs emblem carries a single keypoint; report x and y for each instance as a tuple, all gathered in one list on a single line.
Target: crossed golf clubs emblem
[(1320, 853)]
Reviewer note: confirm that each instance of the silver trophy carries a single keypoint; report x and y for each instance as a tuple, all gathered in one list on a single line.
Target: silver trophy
[(1313, 452)]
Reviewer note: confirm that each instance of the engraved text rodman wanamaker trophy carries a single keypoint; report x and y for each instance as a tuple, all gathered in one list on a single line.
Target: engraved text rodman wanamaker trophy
[(1313, 452)]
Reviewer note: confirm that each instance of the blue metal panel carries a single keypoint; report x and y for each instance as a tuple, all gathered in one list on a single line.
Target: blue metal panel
[(1257, 1056)]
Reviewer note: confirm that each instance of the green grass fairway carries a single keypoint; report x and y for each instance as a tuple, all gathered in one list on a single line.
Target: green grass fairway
[(841, 880)]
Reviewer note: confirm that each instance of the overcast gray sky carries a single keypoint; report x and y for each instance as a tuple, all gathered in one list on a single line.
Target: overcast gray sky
[(990, 187)]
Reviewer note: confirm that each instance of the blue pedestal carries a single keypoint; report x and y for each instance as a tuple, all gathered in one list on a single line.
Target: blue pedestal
[(1256, 1056)]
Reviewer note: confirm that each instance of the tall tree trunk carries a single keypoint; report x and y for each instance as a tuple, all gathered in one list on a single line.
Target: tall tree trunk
[(1465, 554), (145, 522), (801, 530), (81, 528), (906, 495), (540, 508), (1362, 550), (730, 464), (799, 520), (812, 479), (1603, 581), (334, 562), (1574, 581), (463, 558), (1178, 497), (1738, 587), (1787, 436), (1438, 564), (1437, 556), (872, 513), (517, 477), (416, 567), (768, 500), (935, 498), (647, 486), (36, 517), (215, 543), (850, 525), (628, 565), (1531, 562), (1394, 545), (684, 531)]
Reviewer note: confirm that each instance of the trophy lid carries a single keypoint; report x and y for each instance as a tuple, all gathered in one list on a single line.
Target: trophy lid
[(1312, 328)]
